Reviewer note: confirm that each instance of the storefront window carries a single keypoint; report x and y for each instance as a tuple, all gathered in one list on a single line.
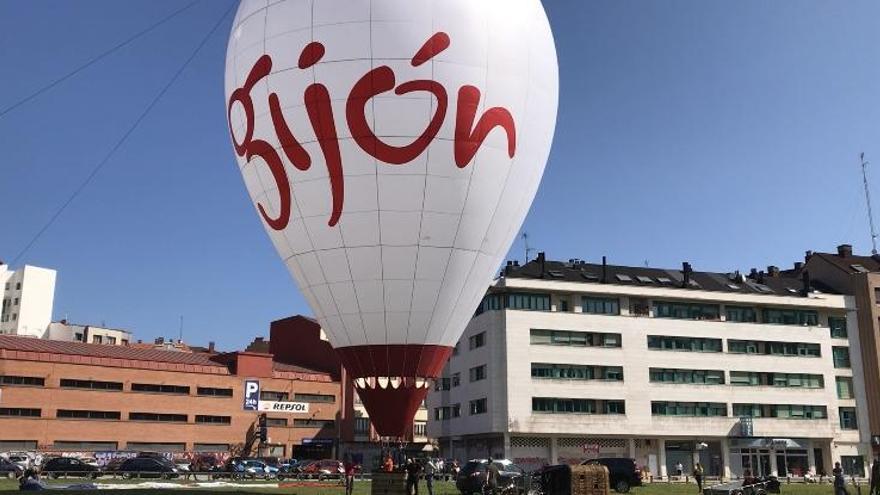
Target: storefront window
[(853, 465)]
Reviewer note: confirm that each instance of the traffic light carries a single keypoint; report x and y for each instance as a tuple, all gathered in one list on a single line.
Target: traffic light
[(264, 430)]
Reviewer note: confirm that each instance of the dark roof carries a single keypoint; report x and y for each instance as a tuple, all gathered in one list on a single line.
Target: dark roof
[(30, 344), (870, 263), (579, 271)]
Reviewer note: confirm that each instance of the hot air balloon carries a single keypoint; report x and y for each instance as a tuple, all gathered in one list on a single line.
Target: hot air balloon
[(392, 149)]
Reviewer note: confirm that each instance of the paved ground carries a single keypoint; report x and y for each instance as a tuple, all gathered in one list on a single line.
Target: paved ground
[(363, 488)]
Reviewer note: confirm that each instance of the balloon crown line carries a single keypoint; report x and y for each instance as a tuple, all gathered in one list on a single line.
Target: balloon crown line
[(468, 137), (393, 382)]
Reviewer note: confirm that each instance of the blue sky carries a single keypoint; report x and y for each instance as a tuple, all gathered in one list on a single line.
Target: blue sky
[(722, 133)]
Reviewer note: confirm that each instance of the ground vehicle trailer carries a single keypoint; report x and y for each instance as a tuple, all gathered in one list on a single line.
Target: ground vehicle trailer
[(323, 469), (747, 486), (622, 472), (473, 475), (69, 466), (148, 467), (10, 469)]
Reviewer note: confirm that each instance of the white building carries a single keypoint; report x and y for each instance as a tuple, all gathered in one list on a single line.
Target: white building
[(27, 298), (569, 361), (90, 334)]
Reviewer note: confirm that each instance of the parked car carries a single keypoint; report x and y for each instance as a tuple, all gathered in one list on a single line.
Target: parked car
[(22, 460), (148, 467), (69, 466), (10, 469), (321, 470), (622, 472), (473, 474), (255, 468)]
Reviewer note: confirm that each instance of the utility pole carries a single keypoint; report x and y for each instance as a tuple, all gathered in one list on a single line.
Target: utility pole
[(868, 199)]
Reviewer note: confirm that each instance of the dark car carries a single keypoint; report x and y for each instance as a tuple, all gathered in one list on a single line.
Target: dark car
[(473, 475), (10, 469), (622, 472), (148, 467), (69, 466)]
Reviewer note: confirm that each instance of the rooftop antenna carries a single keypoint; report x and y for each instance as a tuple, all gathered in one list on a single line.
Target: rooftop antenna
[(525, 238), (180, 338), (868, 199)]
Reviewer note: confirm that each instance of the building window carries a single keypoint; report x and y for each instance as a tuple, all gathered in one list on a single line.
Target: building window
[(478, 406), (97, 339), (361, 426), (24, 381), (316, 398), (214, 392), (838, 327), (478, 373), (672, 375), (577, 372), (575, 339), (214, 420), (274, 396), (90, 384), (741, 314), (160, 389), (78, 337), (802, 349), (20, 411), (282, 422), (442, 383), (752, 378), (791, 317), (80, 414), (419, 429), (529, 302), (15, 302), (477, 341), (781, 411), (687, 344), (665, 408), (18, 286), (845, 387), (125, 342), (853, 465), (600, 305), (577, 406), (840, 355), (14, 316), (690, 311), (84, 446), (162, 417), (156, 447), (313, 423), (447, 412), (111, 340), (848, 420), (456, 379)]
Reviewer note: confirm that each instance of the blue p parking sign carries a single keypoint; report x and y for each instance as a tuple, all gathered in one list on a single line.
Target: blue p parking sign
[(251, 395)]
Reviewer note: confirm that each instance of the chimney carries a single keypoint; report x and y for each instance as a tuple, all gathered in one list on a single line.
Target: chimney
[(211, 346), (844, 250), (798, 265), (773, 271), (604, 270), (507, 268), (753, 273), (808, 255), (686, 271), (805, 291), (541, 260), (515, 262), (159, 340)]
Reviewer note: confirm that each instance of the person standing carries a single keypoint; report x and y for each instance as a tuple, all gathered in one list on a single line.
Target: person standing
[(430, 469), (492, 476), (349, 467), (875, 476), (839, 481), (412, 477), (679, 469), (388, 464), (698, 476)]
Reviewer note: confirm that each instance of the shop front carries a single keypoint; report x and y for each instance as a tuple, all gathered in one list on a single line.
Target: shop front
[(773, 456)]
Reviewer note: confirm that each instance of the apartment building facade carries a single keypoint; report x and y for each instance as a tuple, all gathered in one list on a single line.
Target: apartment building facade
[(27, 296), (569, 361)]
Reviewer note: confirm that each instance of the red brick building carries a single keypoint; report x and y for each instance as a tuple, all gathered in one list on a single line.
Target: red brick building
[(90, 397)]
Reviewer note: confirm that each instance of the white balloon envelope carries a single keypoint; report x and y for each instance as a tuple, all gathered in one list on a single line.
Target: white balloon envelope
[(392, 149)]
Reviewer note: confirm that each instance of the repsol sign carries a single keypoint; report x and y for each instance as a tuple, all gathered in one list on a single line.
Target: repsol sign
[(284, 407)]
